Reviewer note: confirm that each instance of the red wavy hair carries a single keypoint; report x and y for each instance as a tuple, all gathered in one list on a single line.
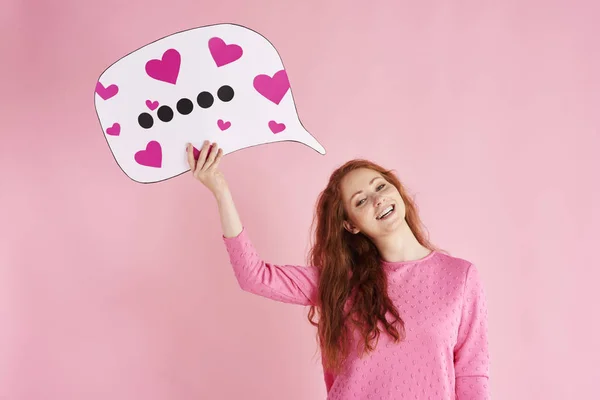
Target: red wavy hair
[(350, 269)]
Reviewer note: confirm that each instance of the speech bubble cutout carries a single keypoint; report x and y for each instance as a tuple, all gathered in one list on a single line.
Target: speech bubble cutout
[(224, 83)]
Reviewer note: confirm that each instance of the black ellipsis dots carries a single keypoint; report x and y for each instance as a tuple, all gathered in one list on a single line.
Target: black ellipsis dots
[(225, 93), (145, 120), (205, 100), (185, 106), (165, 113)]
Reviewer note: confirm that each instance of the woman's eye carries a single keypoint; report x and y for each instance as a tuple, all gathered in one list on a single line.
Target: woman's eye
[(381, 186), (360, 202)]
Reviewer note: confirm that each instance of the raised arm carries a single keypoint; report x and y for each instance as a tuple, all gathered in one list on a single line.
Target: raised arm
[(471, 355), (286, 283)]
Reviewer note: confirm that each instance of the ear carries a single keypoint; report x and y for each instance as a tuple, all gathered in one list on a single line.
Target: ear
[(351, 228)]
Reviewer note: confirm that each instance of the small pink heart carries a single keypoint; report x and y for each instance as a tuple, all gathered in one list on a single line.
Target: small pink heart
[(151, 157), (222, 53), (152, 104), (223, 125), (108, 92), (272, 88), (276, 127), (114, 130), (167, 68)]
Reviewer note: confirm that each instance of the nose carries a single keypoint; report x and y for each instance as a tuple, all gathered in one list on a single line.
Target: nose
[(378, 200)]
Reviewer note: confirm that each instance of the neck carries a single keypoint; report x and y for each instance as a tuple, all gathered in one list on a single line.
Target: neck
[(401, 245)]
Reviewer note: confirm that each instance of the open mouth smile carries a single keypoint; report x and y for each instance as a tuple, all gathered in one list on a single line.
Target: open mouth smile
[(386, 212)]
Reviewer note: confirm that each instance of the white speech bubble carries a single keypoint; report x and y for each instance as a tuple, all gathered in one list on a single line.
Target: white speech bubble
[(224, 83)]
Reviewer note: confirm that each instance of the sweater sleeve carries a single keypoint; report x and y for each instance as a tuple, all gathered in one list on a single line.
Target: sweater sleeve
[(285, 283), (471, 355)]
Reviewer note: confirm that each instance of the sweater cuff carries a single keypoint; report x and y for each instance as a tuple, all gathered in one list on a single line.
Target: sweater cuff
[(472, 388), (240, 236)]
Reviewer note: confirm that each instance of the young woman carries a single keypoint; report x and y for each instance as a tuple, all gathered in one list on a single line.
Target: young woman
[(397, 318)]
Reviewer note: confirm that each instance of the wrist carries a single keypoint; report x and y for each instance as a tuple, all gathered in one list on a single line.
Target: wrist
[(222, 194)]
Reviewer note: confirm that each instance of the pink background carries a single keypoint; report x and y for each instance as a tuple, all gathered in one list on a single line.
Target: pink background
[(115, 290)]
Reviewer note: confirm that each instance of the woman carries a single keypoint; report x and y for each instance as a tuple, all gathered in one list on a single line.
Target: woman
[(397, 318)]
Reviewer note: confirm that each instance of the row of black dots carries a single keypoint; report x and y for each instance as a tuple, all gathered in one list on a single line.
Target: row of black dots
[(186, 106)]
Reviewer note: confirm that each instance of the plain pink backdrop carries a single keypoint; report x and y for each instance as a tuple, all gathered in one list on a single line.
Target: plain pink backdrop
[(115, 290)]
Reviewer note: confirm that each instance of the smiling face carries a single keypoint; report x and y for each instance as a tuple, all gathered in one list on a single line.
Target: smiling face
[(373, 205)]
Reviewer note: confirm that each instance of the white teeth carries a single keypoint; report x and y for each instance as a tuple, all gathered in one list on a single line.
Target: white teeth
[(384, 212)]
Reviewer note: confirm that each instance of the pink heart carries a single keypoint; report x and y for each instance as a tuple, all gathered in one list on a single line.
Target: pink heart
[(275, 127), (166, 69), (114, 130), (152, 104), (222, 53), (108, 92), (223, 125), (272, 88), (151, 157)]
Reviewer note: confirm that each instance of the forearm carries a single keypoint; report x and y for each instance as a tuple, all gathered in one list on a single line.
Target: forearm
[(230, 219), (286, 283), (472, 356)]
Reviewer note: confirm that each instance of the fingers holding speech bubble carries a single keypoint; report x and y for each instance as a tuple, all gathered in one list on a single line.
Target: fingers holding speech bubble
[(223, 83)]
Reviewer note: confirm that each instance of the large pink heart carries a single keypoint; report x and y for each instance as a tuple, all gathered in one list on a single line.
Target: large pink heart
[(272, 88), (151, 157), (165, 69), (106, 92), (222, 53)]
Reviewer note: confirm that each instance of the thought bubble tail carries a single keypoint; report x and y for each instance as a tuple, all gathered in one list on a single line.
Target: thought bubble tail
[(320, 149), (314, 144)]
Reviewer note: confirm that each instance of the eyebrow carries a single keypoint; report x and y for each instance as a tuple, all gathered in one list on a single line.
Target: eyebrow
[(370, 183)]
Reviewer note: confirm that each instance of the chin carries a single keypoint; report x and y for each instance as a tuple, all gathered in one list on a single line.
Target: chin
[(394, 225)]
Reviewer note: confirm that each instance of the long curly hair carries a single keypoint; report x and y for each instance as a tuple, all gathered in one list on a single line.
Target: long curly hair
[(352, 291)]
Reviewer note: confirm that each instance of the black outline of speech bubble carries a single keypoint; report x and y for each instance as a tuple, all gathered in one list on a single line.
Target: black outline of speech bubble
[(234, 151)]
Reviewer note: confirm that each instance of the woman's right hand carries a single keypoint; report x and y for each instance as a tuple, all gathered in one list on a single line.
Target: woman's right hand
[(205, 169)]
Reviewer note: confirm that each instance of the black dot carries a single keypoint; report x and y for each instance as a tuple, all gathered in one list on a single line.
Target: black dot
[(205, 99), (165, 114), (145, 120), (225, 93), (185, 106)]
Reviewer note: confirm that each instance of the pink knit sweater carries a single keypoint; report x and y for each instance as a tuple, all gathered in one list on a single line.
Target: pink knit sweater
[(441, 300)]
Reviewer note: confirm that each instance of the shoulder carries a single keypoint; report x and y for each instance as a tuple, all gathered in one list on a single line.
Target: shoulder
[(455, 268), (452, 263)]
